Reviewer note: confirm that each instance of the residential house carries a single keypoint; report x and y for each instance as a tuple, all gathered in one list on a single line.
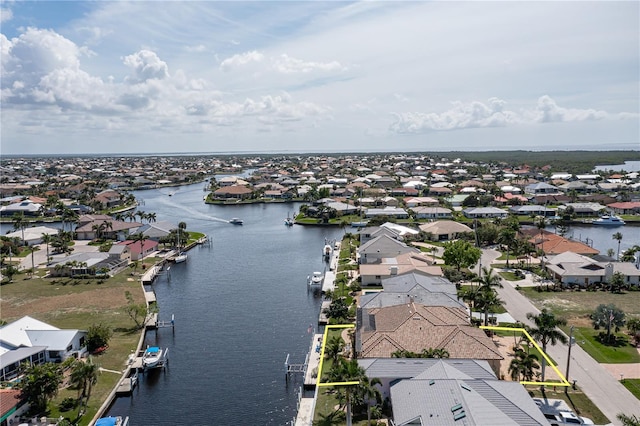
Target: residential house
[(239, 192), (444, 230), (433, 213), (373, 274), (574, 269), (370, 232), (445, 395), (394, 212), (583, 209), (532, 210), (26, 207), (413, 202), (33, 235), (140, 250), (485, 212), (375, 250), (89, 263), (629, 207), (112, 229), (413, 327), (12, 407), (552, 244), (30, 340), (541, 188)]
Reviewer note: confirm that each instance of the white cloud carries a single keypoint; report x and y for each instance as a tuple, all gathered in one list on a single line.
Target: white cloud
[(146, 65), (197, 48), (286, 64), (5, 14), (490, 114), (241, 59)]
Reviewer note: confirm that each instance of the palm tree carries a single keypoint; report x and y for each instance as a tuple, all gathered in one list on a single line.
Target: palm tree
[(488, 300), (19, 222), (523, 364), (334, 347), (151, 217), (488, 279), (83, 376), (368, 391), (141, 238), (507, 237), (46, 238), (68, 216), (347, 371), (546, 330), (618, 237)]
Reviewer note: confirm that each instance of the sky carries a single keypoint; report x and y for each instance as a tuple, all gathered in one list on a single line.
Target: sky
[(100, 77)]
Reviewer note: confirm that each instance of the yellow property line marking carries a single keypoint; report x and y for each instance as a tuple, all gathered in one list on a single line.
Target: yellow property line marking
[(324, 341), (563, 379)]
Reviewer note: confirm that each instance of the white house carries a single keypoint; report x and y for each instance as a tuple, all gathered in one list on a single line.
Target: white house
[(34, 341)]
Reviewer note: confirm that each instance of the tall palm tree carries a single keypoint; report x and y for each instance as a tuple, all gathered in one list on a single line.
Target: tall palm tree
[(151, 217), (523, 364), (83, 376), (47, 238), (507, 237), (141, 238), (546, 330), (489, 279), (19, 222), (334, 347), (347, 371), (488, 300), (618, 237)]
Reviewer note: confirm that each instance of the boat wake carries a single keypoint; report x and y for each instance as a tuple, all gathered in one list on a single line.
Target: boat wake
[(194, 214)]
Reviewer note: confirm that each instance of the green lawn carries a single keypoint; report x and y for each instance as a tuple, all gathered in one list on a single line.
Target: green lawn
[(633, 385), (577, 400), (569, 304), (586, 338), (79, 303)]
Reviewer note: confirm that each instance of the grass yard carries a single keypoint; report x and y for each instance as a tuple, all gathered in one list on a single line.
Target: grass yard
[(633, 385), (623, 354), (580, 304), (78, 304), (577, 400)]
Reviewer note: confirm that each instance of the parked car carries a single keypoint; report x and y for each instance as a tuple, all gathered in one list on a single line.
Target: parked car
[(566, 418)]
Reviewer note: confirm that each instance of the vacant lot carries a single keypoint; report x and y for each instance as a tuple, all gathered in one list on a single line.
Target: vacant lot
[(78, 304), (576, 306)]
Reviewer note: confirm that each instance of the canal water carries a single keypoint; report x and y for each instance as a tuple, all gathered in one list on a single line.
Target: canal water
[(240, 307)]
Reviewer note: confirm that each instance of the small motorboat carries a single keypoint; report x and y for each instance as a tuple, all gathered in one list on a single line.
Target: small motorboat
[(236, 221), (112, 421), (316, 278), (153, 357)]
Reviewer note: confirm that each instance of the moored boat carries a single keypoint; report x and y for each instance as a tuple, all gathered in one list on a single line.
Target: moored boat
[(181, 257), (316, 278), (112, 421), (608, 220), (153, 357)]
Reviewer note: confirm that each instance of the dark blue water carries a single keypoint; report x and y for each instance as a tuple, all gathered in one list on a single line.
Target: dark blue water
[(240, 307)]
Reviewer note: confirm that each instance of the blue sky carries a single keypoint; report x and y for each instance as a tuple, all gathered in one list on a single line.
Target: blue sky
[(206, 76)]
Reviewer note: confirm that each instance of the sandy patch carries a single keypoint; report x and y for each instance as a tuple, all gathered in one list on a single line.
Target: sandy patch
[(505, 346)]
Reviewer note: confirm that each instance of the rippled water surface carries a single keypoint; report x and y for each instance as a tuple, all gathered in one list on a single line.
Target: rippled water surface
[(240, 307)]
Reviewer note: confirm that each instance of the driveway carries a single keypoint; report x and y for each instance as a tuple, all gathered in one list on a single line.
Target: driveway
[(595, 381), (40, 256)]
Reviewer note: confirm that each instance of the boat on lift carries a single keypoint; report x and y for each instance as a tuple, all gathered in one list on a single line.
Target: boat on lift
[(315, 279), (154, 357)]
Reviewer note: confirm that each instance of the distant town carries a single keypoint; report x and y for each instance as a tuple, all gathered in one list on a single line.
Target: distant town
[(455, 282)]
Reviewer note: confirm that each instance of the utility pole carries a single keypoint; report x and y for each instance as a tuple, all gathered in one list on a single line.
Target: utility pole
[(569, 354)]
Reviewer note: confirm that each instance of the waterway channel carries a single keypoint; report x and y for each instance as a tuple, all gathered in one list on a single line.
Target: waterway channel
[(240, 307)]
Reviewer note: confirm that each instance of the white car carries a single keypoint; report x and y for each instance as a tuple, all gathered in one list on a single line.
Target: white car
[(566, 418)]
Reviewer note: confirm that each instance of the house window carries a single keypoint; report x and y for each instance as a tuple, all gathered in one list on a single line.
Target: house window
[(69, 348)]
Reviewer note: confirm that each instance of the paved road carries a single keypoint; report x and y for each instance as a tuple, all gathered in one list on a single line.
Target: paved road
[(594, 380)]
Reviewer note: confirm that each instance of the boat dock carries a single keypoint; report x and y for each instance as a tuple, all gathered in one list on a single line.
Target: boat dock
[(126, 385), (151, 274), (310, 366)]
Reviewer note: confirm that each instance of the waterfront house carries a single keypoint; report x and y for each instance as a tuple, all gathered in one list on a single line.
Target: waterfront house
[(30, 340), (371, 232), (373, 274), (428, 290), (375, 250), (140, 250), (109, 228), (413, 202), (444, 230), (552, 244), (443, 395), (236, 192), (33, 235), (532, 210), (12, 407), (413, 327), (484, 212), (394, 212), (573, 269), (89, 263), (26, 207), (541, 188), (433, 213), (629, 207)]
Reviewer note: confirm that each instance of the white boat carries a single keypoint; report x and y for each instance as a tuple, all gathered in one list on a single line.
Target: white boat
[(326, 251), (181, 257), (316, 278), (236, 221), (608, 220), (112, 421), (153, 357)]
